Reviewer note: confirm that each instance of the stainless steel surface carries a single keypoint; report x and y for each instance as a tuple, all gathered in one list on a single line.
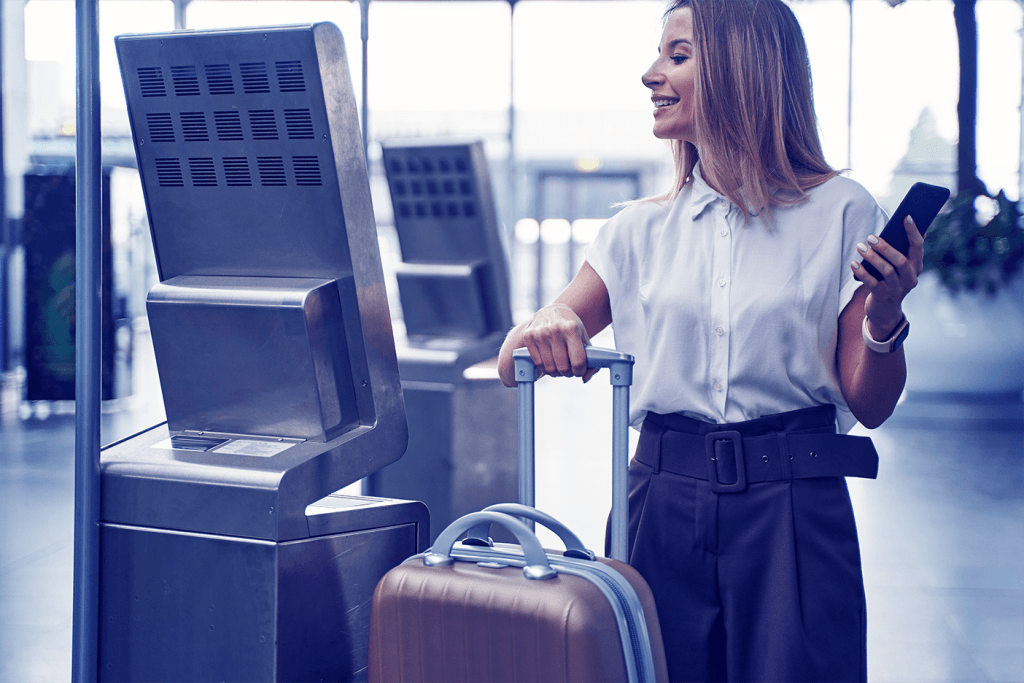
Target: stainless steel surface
[(443, 300), (88, 373), (454, 282), (249, 150), (200, 607), (263, 356), (253, 171)]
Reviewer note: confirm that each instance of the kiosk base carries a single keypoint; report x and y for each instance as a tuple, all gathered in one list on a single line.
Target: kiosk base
[(180, 606)]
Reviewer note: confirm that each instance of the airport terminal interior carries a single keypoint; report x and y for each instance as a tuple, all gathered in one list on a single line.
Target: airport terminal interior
[(488, 179)]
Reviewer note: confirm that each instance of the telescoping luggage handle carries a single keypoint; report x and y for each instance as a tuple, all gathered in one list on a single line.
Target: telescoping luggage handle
[(620, 366)]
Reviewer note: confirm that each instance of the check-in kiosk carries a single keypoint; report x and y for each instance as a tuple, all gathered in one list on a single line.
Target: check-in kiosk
[(226, 553), (453, 284)]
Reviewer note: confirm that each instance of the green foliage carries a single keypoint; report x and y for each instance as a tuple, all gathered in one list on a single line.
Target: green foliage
[(971, 253)]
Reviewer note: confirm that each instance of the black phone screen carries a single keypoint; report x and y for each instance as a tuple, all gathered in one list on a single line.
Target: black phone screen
[(923, 203)]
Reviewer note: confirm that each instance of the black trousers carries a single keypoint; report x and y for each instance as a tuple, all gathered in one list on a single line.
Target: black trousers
[(763, 584)]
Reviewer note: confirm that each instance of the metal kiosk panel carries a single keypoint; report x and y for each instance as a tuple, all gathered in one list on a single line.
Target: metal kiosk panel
[(454, 286), (225, 554), (453, 280)]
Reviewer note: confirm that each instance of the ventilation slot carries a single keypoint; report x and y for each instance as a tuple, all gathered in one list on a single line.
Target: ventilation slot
[(161, 129), (151, 81), (236, 172), (307, 170), (229, 125), (299, 123), (218, 79), (264, 127), (193, 126), (203, 172), (271, 171), (254, 77), (289, 77), (185, 81), (168, 173)]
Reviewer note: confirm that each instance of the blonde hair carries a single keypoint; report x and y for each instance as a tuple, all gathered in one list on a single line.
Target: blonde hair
[(754, 112)]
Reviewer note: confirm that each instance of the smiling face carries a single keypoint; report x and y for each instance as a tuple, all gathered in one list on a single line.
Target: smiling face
[(671, 79)]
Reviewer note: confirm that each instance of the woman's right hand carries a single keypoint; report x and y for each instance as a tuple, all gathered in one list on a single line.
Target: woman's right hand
[(556, 339), (557, 334)]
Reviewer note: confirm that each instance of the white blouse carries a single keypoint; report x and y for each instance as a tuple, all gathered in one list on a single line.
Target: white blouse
[(728, 321)]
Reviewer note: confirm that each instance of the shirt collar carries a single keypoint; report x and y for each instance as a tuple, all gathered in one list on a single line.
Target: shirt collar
[(701, 196)]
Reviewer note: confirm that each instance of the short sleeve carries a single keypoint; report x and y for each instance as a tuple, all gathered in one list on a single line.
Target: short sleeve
[(861, 217), (613, 252)]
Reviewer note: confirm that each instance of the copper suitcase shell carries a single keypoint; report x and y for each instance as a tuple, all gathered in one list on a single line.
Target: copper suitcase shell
[(481, 624)]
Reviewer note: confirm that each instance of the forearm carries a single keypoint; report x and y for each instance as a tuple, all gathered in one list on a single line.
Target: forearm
[(557, 334), (875, 385), (871, 382)]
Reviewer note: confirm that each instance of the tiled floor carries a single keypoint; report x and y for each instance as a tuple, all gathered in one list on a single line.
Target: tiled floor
[(942, 530)]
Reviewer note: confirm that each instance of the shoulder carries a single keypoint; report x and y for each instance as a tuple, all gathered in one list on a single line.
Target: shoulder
[(625, 240), (642, 213), (634, 224)]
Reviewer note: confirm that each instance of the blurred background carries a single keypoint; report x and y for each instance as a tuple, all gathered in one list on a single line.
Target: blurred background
[(552, 89)]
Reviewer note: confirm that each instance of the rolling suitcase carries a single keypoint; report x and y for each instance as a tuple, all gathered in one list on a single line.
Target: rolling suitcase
[(485, 612)]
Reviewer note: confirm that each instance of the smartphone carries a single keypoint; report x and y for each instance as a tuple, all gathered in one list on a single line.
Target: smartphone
[(923, 203)]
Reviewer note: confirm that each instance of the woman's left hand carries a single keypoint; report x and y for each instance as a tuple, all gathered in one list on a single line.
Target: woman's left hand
[(883, 306)]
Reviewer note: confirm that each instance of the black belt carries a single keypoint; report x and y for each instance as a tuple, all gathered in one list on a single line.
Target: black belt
[(800, 444)]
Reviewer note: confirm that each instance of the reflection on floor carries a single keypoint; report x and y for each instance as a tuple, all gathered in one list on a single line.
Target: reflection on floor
[(942, 530)]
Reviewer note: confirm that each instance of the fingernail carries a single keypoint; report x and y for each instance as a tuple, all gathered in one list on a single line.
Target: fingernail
[(855, 265), (911, 219), (872, 239), (862, 247)]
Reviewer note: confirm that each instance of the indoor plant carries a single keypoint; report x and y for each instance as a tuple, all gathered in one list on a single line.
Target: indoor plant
[(967, 314)]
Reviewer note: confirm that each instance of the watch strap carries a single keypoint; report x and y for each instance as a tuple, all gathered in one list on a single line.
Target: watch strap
[(892, 343)]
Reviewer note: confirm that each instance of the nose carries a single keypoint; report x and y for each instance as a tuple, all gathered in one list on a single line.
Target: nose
[(653, 78)]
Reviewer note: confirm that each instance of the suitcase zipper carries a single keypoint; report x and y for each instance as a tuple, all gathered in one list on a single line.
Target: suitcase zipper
[(644, 660)]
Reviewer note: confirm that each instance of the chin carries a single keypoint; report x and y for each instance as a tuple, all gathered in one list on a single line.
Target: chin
[(671, 133)]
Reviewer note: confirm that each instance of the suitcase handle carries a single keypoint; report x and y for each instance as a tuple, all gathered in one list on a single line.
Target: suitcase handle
[(621, 371), (537, 565), (478, 535), (620, 364)]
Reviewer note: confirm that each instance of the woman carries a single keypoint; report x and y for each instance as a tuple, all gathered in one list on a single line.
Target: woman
[(756, 332)]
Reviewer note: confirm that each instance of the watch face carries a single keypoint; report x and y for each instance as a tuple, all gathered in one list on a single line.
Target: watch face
[(902, 336)]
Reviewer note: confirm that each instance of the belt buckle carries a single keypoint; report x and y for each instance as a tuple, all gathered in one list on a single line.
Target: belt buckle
[(741, 464)]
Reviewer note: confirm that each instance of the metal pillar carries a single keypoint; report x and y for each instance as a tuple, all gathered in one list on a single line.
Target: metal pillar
[(364, 35), (511, 212), (849, 96), (179, 13), (1020, 162), (87, 345)]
